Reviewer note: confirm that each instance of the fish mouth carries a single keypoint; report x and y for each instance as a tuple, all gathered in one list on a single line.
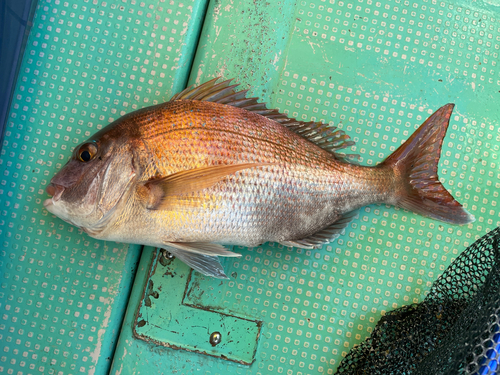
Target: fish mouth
[(55, 191), (47, 202)]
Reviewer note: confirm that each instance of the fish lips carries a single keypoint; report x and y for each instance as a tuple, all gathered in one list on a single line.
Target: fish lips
[(56, 192), (51, 203)]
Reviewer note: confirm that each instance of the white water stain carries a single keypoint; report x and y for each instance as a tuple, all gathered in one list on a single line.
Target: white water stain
[(109, 301), (276, 60)]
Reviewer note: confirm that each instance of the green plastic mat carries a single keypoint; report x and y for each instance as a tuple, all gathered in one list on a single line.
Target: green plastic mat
[(375, 69)]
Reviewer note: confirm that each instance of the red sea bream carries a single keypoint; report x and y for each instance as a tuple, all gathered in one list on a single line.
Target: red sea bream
[(212, 167)]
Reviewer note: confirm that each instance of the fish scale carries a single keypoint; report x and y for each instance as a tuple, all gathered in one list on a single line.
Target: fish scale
[(304, 169), (189, 175), (219, 123)]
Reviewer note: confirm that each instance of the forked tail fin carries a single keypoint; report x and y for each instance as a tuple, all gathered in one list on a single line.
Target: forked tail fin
[(415, 162)]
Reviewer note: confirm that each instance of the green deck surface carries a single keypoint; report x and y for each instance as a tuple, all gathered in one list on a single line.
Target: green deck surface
[(173, 315), (375, 69), (63, 294)]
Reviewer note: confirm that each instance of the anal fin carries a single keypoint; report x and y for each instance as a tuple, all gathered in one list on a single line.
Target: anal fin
[(325, 235)]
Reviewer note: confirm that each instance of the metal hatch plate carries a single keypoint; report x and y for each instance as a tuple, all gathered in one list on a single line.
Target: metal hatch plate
[(174, 313)]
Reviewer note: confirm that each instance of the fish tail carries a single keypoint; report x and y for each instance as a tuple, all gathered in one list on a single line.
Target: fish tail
[(415, 164)]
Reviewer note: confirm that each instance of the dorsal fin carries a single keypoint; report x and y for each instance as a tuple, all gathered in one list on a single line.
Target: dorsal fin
[(325, 136)]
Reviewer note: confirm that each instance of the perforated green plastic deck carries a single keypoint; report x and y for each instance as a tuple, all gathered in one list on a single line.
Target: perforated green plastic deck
[(375, 69)]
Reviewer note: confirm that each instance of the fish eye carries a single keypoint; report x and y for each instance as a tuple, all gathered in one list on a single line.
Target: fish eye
[(87, 152)]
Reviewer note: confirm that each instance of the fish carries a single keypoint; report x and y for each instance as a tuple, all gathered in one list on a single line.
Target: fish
[(212, 167)]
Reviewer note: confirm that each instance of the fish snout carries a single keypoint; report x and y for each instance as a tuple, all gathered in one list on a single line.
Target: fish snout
[(55, 191)]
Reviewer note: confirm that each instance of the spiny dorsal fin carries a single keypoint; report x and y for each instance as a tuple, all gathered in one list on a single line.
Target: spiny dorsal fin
[(325, 136)]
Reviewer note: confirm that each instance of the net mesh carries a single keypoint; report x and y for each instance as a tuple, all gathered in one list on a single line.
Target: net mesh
[(455, 330)]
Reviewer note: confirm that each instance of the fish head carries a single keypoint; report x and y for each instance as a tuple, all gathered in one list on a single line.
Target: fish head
[(87, 191)]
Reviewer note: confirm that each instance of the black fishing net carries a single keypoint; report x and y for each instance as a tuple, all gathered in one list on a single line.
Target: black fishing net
[(455, 330)]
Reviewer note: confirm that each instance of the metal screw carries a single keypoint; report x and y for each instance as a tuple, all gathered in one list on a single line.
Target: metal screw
[(215, 338), (167, 254)]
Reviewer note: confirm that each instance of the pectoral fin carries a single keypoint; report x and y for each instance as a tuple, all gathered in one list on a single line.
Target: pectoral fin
[(158, 193), (196, 256)]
